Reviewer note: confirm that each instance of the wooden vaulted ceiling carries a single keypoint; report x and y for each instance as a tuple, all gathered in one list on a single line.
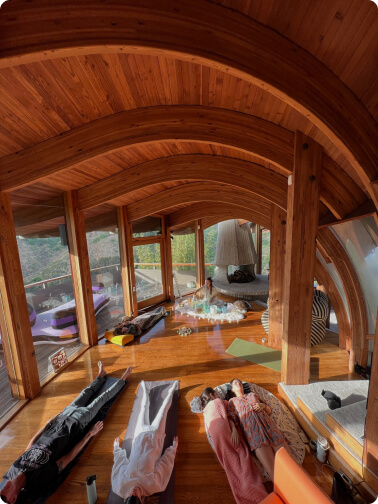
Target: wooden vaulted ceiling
[(109, 101)]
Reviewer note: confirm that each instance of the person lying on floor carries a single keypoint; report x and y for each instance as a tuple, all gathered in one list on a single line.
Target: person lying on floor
[(47, 453), (147, 471), (253, 415), (231, 450), (141, 323)]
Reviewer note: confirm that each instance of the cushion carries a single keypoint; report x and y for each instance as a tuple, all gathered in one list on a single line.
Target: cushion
[(64, 318), (272, 498), (121, 339), (242, 306)]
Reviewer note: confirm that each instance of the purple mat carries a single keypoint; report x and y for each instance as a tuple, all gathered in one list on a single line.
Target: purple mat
[(158, 391), (43, 332)]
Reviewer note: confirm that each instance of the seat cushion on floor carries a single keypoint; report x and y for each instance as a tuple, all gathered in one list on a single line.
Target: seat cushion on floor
[(121, 339)]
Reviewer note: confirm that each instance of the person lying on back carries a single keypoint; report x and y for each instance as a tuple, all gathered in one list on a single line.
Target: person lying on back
[(48, 452)]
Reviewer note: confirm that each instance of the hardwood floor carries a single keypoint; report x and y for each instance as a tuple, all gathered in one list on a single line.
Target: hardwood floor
[(197, 361)]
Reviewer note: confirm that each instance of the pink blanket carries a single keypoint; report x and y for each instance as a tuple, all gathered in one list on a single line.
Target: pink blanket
[(244, 480)]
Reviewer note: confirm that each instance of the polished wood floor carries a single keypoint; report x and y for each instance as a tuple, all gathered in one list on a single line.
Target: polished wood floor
[(197, 361)]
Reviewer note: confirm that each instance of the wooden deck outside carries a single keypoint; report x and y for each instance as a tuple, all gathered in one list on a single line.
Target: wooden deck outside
[(197, 361)]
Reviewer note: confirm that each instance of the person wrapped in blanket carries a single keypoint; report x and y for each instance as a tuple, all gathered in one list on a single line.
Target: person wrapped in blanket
[(50, 450), (207, 292), (141, 323), (231, 450), (147, 471), (250, 413)]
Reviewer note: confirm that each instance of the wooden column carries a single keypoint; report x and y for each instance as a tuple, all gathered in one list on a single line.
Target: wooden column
[(302, 223), (15, 327), (200, 253), (127, 263), (168, 263), (370, 457), (277, 276), (258, 248), (81, 274)]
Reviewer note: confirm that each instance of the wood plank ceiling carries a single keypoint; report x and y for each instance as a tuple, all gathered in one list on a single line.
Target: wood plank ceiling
[(41, 100)]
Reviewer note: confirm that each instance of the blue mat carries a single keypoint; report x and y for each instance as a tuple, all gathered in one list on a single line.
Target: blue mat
[(24, 498)]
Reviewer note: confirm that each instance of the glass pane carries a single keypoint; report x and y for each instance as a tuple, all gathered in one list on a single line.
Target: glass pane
[(148, 276), (105, 265), (360, 240), (147, 226), (210, 239), (8, 398), (184, 263), (337, 281), (46, 270), (265, 254)]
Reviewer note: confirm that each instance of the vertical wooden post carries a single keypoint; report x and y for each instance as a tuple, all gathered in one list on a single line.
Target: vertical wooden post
[(258, 249), (127, 263), (277, 276), (17, 337), (370, 457), (81, 274), (200, 253), (168, 263), (302, 223)]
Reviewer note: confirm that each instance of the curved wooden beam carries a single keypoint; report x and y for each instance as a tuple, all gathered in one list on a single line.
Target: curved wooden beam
[(196, 192), (355, 296), (219, 169), (224, 211), (147, 125), (324, 278), (206, 33), (154, 124)]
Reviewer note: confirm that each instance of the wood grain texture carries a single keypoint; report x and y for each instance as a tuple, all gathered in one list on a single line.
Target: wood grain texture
[(198, 360), (127, 262), (370, 456), (80, 268), (196, 192), (354, 294), (17, 340), (223, 210), (277, 276), (344, 329), (224, 38), (302, 221)]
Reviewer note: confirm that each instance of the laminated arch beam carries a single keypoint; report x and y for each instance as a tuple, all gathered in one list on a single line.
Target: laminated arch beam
[(206, 33)]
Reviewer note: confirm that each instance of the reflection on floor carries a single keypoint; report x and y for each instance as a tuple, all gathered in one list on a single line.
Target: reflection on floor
[(198, 360)]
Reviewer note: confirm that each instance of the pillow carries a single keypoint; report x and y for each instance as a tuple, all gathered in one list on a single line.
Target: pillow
[(64, 318), (121, 339), (242, 306)]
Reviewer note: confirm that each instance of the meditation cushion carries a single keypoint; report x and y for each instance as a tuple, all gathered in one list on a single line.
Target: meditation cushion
[(120, 339), (64, 318), (32, 314)]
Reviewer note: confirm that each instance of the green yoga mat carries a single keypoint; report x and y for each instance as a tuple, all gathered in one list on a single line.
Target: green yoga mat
[(255, 353)]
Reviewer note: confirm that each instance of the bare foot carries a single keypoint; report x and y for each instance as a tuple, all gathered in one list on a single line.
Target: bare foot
[(127, 373), (101, 370)]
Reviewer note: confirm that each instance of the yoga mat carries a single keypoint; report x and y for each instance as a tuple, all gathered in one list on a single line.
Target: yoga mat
[(158, 391), (50, 489), (258, 354)]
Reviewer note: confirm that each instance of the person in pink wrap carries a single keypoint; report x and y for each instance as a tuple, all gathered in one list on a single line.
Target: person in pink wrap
[(231, 450)]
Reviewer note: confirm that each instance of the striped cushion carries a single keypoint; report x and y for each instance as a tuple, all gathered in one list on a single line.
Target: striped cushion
[(320, 310)]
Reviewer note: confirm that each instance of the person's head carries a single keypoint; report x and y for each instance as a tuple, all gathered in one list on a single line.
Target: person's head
[(237, 387), (209, 284), (207, 395)]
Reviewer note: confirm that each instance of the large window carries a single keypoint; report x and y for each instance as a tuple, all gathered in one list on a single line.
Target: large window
[(105, 265), (265, 253), (8, 383), (184, 261), (46, 271), (360, 240), (210, 240), (148, 273)]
